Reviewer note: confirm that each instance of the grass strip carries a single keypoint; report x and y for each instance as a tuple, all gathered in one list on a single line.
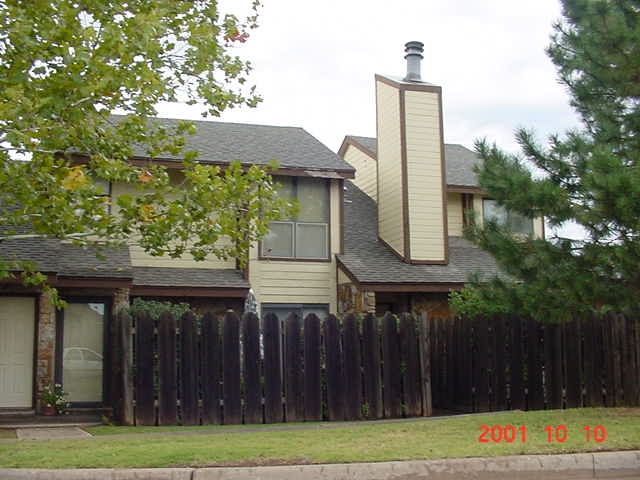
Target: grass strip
[(423, 439)]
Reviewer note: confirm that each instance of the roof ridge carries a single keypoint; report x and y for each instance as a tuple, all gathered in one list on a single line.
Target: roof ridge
[(206, 121)]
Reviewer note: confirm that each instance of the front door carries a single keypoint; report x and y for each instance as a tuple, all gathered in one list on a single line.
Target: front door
[(17, 323), (81, 340)]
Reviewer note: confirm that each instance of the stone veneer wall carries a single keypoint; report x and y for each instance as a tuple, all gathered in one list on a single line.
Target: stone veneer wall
[(352, 300), (46, 346), (120, 300)]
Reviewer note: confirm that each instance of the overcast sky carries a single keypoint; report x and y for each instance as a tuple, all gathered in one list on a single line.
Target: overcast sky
[(315, 63)]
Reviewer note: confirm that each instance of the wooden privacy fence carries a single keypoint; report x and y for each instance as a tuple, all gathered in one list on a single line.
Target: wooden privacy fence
[(512, 363), (239, 370)]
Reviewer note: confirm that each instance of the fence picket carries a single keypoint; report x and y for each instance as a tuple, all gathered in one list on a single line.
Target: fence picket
[(211, 370), (272, 370), (145, 409), (500, 345), (573, 370), (410, 361), (312, 371), (251, 370), (167, 370), (517, 397), (391, 367), (481, 362), (352, 368), (334, 370), (371, 366), (294, 405), (552, 366), (188, 369), (232, 406)]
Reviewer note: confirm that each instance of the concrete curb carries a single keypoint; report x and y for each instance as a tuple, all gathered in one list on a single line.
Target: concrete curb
[(522, 467)]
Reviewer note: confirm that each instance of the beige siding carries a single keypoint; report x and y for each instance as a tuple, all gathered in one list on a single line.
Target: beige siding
[(390, 217), (343, 278), (366, 174), (454, 214), (424, 176), (139, 258), (290, 281)]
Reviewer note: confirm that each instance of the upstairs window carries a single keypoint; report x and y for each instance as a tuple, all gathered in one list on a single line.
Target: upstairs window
[(305, 236), (513, 221)]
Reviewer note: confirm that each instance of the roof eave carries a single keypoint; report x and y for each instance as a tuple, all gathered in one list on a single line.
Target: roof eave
[(350, 141), (187, 291), (177, 164), (400, 287)]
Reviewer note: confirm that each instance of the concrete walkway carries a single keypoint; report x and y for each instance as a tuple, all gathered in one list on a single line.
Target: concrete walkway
[(611, 465), (51, 433)]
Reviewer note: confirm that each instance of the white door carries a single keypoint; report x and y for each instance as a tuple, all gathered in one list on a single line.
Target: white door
[(17, 319)]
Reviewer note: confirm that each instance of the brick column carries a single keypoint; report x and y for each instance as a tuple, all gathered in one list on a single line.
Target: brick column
[(46, 346)]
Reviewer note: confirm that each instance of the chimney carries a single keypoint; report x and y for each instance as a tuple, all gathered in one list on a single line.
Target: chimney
[(413, 56), (411, 193)]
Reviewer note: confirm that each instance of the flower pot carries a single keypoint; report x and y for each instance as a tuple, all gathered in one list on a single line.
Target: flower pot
[(49, 410)]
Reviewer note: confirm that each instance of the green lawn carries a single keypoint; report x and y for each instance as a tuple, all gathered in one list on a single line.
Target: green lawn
[(7, 433), (430, 438)]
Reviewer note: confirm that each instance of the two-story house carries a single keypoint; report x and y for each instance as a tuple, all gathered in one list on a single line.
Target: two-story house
[(292, 269), (388, 240)]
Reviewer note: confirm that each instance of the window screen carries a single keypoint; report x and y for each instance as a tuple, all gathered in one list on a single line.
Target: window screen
[(307, 235)]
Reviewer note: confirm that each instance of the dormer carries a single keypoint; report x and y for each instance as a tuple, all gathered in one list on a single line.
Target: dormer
[(411, 191)]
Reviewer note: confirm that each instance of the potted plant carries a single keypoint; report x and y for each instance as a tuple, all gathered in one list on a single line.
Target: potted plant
[(54, 400)]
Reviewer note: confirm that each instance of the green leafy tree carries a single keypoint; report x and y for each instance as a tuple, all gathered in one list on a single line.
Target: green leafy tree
[(65, 65), (589, 176)]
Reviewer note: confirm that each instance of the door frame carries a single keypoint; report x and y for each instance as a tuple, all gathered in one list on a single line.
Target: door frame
[(36, 324), (106, 348)]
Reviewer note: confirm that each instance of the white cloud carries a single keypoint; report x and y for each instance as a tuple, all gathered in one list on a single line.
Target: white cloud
[(315, 61)]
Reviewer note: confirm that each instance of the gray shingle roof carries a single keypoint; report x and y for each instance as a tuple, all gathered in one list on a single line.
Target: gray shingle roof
[(459, 161), (292, 147), (188, 277), (65, 260), (370, 261), (55, 257)]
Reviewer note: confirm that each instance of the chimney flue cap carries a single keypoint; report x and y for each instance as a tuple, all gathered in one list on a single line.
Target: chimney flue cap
[(413, 56)]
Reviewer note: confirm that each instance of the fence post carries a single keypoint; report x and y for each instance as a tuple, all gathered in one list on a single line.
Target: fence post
[(126, 400)]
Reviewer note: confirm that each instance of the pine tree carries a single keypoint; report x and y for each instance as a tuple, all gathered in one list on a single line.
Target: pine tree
[(588, 176)]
